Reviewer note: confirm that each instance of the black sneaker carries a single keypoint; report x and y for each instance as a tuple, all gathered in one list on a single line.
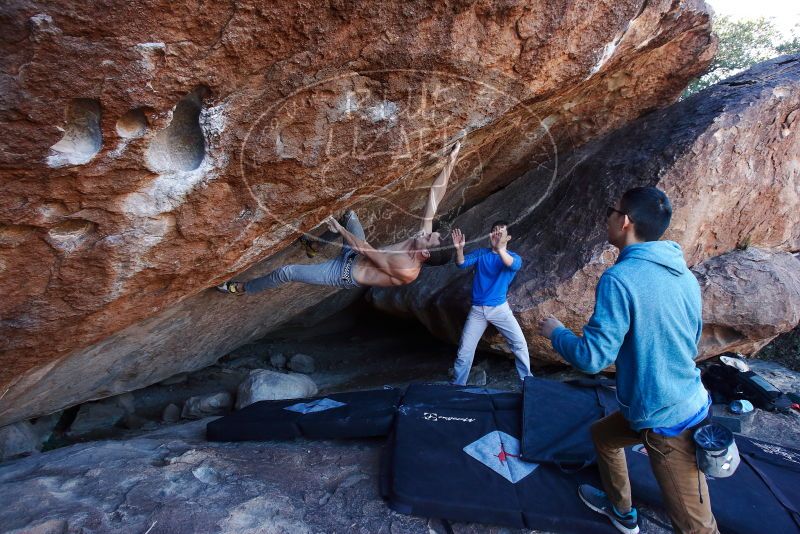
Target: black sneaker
[(233, 288), (598, 501)]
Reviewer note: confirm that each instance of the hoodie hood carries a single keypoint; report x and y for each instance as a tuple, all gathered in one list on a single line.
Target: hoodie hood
[(668, 254)]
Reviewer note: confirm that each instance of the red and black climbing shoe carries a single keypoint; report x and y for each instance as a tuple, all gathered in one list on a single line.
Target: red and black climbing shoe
[(234, 288)]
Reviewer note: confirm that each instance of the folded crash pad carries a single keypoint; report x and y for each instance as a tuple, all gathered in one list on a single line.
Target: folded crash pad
[(557, 416), (455, 454), (358, 414)]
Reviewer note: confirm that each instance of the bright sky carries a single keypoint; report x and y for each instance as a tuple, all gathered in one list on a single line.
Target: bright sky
[(786, 13)]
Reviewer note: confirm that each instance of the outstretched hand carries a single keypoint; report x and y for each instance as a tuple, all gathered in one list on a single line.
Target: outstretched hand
[(458, 239), (453, 156), (333, 224), (548, 325)]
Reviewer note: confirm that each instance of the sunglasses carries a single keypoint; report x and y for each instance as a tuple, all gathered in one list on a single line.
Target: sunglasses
[(611, 210)]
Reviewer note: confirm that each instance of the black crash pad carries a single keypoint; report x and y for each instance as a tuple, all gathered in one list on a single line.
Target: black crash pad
[(454, 454), (557, 416), (763, 495), (358, 414), (461, 397)]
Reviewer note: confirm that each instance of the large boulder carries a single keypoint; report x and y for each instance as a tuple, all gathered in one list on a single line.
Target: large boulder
[(749, 297), (152, 152), (728, 159)]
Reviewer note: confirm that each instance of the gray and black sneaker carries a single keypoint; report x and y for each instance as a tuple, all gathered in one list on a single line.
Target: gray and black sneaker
[(234, 288), (598, 501)]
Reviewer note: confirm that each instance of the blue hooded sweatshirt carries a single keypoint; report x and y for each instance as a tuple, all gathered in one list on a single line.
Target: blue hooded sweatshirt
[(647, 319)]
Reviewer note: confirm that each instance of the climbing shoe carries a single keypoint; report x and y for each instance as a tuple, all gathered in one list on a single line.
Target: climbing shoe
[(234, 288), (598, 501), (309, 246)]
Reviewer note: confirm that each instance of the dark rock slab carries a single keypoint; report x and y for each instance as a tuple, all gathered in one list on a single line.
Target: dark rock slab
[(725, 157)]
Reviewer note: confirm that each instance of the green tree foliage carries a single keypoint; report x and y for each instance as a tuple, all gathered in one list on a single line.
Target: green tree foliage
[(791, 46), (743, 43)]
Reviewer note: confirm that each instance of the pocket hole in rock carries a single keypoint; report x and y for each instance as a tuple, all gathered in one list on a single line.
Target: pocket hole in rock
[(70, 234), (132, 124), (181, 145), (82, 136)]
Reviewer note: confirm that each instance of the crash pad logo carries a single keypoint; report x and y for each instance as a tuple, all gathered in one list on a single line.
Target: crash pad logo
[(319, 405), (779, 451), (432, 416), (500, 452)]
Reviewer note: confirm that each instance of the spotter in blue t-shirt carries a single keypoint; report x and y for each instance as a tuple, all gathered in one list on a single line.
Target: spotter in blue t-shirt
[(492, 277)]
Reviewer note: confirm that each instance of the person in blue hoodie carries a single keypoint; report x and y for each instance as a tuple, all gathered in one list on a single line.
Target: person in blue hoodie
[(647, 321)]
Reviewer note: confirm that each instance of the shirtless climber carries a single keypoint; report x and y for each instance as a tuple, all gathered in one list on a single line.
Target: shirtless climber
[(360, 264)]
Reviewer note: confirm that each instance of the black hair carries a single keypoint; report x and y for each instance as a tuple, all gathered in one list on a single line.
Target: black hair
[(650, 211), (440, 255), (499, 223)]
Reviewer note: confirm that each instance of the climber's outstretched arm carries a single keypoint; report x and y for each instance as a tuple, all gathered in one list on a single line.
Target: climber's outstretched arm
[(389, 262), (437, 190)]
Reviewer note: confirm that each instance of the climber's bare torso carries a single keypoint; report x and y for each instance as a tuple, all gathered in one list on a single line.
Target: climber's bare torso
[(403, 266)]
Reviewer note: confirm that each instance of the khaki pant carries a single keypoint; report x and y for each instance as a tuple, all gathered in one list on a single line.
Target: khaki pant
[(674, 466)]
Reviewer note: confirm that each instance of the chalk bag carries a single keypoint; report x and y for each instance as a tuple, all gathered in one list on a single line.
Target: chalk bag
[(717, 454)]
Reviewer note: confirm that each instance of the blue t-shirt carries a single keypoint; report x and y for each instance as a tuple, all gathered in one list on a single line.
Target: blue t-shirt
[(492, 277), (696, 419)]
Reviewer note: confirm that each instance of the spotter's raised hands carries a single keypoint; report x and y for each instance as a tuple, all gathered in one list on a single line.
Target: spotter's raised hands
[(458, 239)]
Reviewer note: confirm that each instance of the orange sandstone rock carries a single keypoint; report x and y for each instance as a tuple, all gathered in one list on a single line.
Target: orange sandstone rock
[(151, 150)]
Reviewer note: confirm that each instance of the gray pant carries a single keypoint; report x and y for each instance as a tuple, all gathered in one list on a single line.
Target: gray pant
[(330, 273), (503, 319)]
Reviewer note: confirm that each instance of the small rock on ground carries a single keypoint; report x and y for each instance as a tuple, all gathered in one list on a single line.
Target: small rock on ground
[(179, 378), (100, 415), (17, 439), (278, 361), (263, 384), (302, 363), (205, 405), (172, 413)]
